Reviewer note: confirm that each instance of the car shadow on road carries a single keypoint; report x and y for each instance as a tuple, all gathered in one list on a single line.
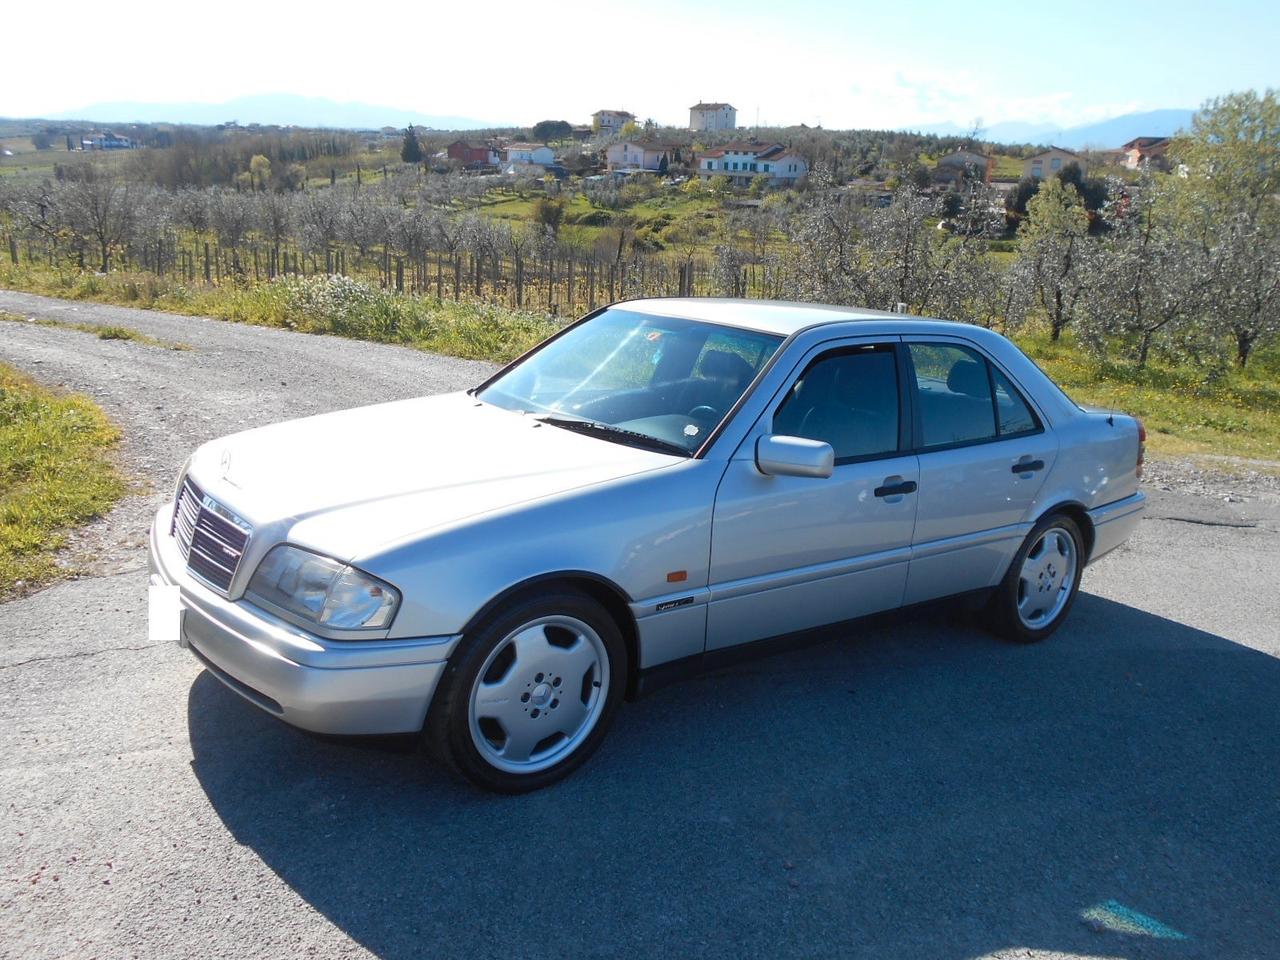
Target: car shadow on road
[(915, 789)]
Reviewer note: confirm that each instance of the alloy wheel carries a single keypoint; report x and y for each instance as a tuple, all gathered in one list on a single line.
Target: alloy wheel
[(539, 694)]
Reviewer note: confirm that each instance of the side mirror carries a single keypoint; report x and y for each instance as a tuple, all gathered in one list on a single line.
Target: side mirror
[(779, 456)]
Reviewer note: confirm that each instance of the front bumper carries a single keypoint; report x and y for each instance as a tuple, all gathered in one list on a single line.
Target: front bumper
[(329, 686)]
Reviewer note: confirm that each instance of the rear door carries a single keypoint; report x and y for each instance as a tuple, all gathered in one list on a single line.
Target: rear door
[(790, 553), (984, 453)]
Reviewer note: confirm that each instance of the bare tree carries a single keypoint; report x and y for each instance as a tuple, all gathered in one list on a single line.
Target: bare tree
[(104, 209)]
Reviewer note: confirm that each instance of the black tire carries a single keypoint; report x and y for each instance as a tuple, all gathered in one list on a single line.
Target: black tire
[(448, 732), (1001, 614)]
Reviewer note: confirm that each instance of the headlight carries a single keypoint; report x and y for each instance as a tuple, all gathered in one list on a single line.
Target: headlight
[(323, 590)]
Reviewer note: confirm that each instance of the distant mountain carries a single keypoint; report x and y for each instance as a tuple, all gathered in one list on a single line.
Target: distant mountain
[(1013, 131), (1106, 134), (1109, 134), (274, 108)]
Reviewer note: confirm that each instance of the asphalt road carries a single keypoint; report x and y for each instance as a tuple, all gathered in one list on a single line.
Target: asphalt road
[(915, 789)]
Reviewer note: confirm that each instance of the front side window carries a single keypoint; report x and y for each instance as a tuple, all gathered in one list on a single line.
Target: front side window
[(657, 382), (848, 399)]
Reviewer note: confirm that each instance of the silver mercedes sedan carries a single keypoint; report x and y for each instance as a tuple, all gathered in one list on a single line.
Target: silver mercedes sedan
[(660, 486)]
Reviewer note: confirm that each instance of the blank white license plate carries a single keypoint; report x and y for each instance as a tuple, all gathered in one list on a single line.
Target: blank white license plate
[(164, 615)]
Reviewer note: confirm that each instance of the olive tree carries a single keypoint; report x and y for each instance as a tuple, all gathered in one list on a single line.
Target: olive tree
[(191, 209), (1230, 166), (1244, 301), (904, 252), (273, 217), (319, 219), (1054, 252), (232, 215), (823, 257), (1151, 277)]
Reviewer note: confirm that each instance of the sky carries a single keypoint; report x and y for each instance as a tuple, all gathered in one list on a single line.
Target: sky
[(841, 64)]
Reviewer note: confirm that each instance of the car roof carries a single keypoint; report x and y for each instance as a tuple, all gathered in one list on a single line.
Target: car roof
[(782, 317)]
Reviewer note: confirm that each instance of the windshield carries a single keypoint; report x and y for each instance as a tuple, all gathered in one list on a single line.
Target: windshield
[(630, 378)]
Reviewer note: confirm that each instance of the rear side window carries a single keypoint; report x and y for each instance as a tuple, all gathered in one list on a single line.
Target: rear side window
[(1015, 416), (955, 395), (848, 399), (964, 399)]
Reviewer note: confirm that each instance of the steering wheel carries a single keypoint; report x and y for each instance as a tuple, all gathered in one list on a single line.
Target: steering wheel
[(705, 413)]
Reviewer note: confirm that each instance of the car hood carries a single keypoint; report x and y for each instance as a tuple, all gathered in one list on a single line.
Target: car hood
[(347, 483)]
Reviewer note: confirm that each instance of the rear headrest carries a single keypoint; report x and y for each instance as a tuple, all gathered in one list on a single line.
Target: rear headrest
[(969, 378), (726, 366)]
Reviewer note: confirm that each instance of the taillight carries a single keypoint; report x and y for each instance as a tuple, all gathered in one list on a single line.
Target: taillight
[(1142, 445)]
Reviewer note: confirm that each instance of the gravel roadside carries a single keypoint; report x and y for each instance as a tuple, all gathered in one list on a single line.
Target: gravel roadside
[(167, 402)]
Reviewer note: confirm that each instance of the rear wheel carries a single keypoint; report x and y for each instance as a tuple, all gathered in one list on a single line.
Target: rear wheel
[(529, 694), (1042, 582)]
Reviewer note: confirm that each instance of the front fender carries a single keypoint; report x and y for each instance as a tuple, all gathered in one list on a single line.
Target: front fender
[(630, 533)]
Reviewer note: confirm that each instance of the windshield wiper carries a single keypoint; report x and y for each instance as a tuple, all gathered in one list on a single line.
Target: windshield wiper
[(607, 431)]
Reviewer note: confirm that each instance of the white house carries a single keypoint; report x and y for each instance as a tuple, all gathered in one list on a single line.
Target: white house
[(536, 154), (106, 141), (744, 160), (713, 116), (640, 154), (611, 122)]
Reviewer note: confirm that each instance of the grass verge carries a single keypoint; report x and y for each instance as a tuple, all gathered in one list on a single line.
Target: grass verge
[(337, 305), (109, 332), (55, 472)]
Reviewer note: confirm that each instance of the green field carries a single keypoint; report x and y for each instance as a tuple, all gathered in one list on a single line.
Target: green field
[(1007, 168), (1237, 414)]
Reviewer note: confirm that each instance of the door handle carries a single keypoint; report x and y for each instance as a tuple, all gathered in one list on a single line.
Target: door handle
[(896, 489), (1027, 466)]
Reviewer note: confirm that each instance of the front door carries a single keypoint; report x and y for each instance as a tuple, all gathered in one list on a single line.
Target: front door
[(789, 553)]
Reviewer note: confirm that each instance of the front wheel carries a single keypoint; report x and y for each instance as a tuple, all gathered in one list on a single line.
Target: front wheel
[(1043, 580), (529, 694)]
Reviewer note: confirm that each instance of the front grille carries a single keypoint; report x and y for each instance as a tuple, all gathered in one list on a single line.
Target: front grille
[(210, 542)]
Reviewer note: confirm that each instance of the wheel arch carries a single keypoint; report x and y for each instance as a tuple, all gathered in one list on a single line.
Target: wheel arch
[(1079, 513), (601, 589)]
